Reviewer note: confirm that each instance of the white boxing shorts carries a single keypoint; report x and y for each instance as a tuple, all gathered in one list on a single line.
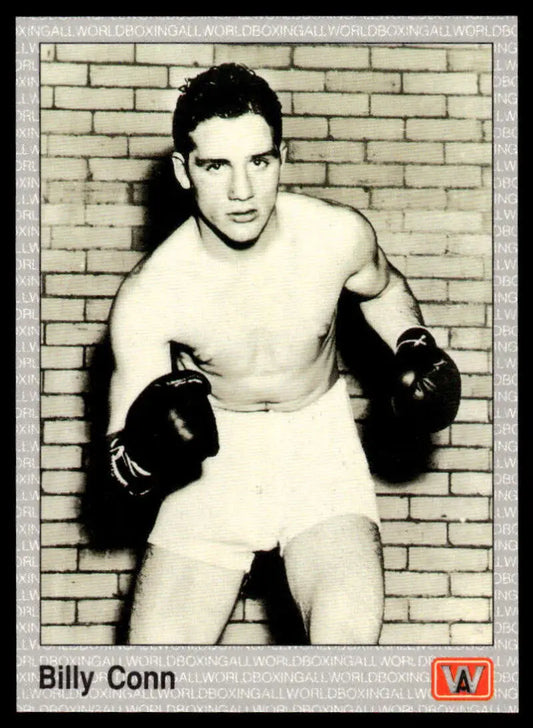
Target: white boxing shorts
[(276, 475)]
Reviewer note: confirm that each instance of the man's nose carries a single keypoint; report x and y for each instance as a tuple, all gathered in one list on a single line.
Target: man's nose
[(240, 185)]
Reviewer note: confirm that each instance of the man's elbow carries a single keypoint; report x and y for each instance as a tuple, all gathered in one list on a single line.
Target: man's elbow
[(395, 281), (384, 282)]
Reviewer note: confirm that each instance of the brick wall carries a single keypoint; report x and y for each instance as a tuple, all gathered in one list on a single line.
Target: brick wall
[(401, 132)]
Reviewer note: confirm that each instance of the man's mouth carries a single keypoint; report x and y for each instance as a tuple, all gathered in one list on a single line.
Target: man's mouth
[(243, 216)]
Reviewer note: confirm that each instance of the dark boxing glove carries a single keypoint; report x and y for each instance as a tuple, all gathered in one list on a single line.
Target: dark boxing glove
[(170, 429), (427, 386)]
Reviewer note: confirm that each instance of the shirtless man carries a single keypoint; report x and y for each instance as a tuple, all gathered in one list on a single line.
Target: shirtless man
[(248, 288)]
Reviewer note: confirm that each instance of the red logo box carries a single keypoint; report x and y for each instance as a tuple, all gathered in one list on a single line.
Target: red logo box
[(462, 678)]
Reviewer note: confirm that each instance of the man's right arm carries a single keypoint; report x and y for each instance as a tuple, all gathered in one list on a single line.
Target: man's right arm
[(161, 424), (141, 355), (140, 350)]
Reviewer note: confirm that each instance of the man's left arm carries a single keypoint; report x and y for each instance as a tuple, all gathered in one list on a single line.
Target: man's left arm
[(426, 386), (386, 300)]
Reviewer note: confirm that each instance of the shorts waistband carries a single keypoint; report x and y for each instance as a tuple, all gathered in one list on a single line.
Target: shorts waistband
[(338, 390)]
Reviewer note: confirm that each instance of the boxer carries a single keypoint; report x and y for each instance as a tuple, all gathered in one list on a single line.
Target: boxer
[(247, 289)]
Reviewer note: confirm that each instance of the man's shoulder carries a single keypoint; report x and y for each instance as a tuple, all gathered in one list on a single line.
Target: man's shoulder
[(350, 233), (146, 286), (169, 256), (320, 213)]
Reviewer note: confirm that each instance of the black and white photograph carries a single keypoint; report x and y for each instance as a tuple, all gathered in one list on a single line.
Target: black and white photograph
[(267, 279), (290, 211)]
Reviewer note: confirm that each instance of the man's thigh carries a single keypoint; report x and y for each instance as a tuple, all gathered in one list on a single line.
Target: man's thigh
[(335, 574), (179, 600)]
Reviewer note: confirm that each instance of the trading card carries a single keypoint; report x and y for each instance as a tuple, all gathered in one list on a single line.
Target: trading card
[(267, 338)]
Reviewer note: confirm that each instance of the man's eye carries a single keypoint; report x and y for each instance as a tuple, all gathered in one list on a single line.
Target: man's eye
[(260, 162), (213, 166)]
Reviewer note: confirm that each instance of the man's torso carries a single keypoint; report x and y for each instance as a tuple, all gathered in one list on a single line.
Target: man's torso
[(260, 327)]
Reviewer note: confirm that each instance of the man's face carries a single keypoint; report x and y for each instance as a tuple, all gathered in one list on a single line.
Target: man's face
[(234, 171)]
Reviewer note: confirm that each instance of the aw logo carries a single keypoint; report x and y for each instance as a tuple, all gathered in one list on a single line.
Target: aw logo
[(462, 678)]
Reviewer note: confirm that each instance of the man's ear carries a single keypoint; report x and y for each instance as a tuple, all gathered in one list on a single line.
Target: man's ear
[(180, 170), (283, 152)]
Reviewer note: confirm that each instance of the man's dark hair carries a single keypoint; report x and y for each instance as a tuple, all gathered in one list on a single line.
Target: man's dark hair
[(227, 91)]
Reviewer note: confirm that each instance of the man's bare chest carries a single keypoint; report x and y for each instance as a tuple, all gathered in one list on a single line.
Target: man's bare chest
[(260, 323)]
